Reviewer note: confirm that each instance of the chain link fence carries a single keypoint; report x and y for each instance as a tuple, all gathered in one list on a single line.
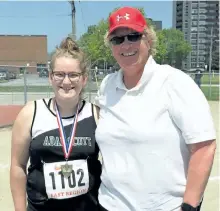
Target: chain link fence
[(21, 84), (209, 84), (18, 87)]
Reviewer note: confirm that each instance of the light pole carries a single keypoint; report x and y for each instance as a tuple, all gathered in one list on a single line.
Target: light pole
[(48, 69), (48, 66), (25, 83), (210, 62)]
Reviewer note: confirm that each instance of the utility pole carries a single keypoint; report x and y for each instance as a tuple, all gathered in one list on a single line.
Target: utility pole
[(210, 63), (73, 12)]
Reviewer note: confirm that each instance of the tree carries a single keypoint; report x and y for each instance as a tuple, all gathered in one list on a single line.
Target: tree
[(171, 47), (92, 42)]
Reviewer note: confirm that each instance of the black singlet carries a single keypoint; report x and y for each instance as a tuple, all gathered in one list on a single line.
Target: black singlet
[(45, 146)]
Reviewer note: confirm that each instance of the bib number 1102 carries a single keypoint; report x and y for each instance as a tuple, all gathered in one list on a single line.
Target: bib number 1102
[(71, 179)]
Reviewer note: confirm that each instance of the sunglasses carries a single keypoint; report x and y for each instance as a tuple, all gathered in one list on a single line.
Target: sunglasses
[(133, 37)]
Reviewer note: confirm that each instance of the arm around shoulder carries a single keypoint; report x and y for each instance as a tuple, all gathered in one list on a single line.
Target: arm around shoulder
[(21, 136)]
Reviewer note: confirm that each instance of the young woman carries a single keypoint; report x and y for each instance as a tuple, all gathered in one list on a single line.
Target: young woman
[(57, 135)]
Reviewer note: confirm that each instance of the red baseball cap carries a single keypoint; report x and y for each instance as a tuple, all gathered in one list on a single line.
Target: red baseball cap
[(127, 17)]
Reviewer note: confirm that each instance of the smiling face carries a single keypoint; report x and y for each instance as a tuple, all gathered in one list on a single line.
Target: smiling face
[(67, 79), (131, 54)]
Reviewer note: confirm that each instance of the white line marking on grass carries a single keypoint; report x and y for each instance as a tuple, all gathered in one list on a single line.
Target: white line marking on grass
[(214, 178), (4, 166)]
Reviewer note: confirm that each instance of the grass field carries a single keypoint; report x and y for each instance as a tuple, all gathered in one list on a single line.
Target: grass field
[(213, 97), (211, 196), (214, 93), (214, 80)]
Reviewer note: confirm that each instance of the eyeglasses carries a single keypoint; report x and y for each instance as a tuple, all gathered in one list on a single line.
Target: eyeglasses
[(133, 37), (73, 76)]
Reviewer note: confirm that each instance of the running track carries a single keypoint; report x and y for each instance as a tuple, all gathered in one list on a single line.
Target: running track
[(8, 114)]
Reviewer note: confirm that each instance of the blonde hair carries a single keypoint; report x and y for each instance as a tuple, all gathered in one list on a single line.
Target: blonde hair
[(150, 34), (69, 48)]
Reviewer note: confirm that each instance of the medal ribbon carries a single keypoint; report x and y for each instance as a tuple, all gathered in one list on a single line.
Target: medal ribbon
[(67, 146)]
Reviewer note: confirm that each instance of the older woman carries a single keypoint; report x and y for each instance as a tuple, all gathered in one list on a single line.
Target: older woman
[(155, 131)]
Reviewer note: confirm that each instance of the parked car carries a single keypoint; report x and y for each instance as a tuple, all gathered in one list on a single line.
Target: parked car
[(2, 76), (44, 73), (12, 75), (7, 75)]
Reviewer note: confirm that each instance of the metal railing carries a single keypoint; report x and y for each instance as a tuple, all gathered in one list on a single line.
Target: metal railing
[(29, 85), (32, 85)]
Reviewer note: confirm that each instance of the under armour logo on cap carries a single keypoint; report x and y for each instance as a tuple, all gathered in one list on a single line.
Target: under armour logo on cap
[(126, 16)]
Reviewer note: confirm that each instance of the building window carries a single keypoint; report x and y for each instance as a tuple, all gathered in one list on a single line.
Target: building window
[(202, 53), (194, 5), (21, 70), (194, 11), (194, 29), (202, 16), (194, 47), (193, 53), (202, 23), (193, 64), (202, 29), (202, 4), (202, 11), (201, 64), (193, 41), (194, 23), (193, 59), (202, 40), (201, 58), (194, 35), (202, 47), (202, 35)]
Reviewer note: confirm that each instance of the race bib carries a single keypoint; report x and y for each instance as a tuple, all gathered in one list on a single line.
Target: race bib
[(60, 186)]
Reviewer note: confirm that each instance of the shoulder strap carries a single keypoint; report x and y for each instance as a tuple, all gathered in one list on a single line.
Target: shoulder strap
[(96, 113)]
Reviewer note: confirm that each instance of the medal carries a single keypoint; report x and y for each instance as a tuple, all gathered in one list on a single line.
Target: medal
[(66, 170), (67, 146)]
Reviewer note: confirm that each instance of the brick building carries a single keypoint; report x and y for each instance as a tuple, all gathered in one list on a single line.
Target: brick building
[(16, 51)]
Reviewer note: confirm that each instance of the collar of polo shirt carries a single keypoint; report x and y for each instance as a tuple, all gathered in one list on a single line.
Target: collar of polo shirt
[(146, 76)]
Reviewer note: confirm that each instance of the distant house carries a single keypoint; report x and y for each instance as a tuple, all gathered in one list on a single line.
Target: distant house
[(16, 51)]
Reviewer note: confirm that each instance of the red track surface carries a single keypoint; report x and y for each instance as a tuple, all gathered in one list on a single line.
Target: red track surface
[(8, 114)]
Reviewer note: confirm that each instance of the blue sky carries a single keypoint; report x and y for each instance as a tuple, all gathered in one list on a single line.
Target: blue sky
[(52, 18)]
